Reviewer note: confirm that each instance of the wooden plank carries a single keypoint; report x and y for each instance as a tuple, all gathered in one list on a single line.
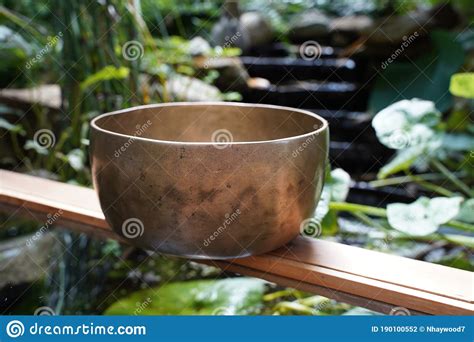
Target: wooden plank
[(376, 265), (362, 277), (373, 304)]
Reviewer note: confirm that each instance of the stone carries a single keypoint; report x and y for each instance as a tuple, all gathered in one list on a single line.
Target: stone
[(184, 88), (392, 30), (228, 32), (311, 24), (352, 24), (25, 259), (198, 46), (257, 29)]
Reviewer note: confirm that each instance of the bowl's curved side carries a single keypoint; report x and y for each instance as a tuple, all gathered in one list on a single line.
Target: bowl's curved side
[(202, 201)]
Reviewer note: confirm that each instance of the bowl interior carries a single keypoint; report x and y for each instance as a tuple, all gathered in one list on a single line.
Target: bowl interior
[(200, 122)]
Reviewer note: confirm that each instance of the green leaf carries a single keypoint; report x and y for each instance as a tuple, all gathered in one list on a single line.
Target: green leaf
[(336, 188), (459, 261), (409, 126), (462, 240), (107, 73), (232, 296), (33, 145), (466, 213), (11, 128), (323, 205), (458, 142), (462, 85), (406, 123), (339, 185), (76, 159), (402, 161), (427, 77), (424, 216), (232, 96)]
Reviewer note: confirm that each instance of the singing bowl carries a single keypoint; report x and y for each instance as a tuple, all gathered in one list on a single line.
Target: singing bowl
[(208, 180)]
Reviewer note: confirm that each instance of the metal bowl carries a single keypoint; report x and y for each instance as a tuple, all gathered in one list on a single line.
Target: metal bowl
[(208, 180)]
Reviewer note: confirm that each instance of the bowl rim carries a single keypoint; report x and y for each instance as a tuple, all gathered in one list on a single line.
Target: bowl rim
[(324, 124)]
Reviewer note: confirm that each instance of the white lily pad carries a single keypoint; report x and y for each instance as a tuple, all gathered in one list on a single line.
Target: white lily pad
[(339, 185), (424, 216), (406, 123)]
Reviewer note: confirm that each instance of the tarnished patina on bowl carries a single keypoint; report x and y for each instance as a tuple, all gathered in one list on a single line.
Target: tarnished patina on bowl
[(208, 180)]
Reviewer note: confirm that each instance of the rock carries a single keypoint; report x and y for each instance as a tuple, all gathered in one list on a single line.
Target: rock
[(232, 74), (228, 32), (352, 24), (198, 46), (184, 88), (249, 31), (395, 29), (259, 83), (25, 259), (346, 30), (311, 24), (256, 28)]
